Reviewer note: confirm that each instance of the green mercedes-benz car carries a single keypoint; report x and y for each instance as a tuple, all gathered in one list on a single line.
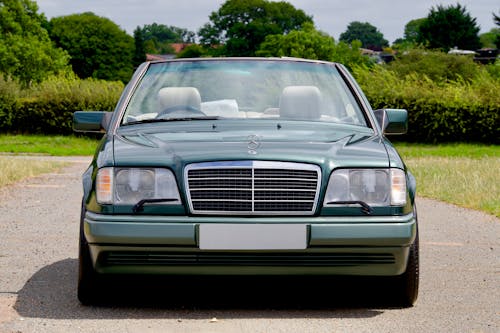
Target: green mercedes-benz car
[(247, 166)]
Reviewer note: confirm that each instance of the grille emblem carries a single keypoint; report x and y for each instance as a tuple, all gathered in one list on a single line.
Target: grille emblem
[(253, 144)]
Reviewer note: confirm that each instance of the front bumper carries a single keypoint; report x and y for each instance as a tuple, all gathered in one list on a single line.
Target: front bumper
[(138, 244)]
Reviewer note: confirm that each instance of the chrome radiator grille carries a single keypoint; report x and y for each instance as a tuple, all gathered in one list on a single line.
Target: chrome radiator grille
[(252, 187)]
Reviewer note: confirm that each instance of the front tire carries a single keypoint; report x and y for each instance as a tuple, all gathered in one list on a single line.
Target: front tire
[(87, 277), (407, 283)]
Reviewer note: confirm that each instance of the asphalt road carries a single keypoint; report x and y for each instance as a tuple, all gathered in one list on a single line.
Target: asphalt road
[(459, 289)]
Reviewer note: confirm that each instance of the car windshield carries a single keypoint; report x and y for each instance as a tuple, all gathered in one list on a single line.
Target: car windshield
[(243, 89)]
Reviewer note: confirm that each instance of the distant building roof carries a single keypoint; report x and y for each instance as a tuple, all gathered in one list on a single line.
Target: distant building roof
[(178, 47), (156, 57), (368, 51), (461, 52)]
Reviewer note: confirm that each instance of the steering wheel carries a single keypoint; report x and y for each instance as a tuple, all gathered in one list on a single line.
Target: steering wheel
[(180, 111)]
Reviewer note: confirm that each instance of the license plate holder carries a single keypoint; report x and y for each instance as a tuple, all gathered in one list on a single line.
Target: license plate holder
[(219, 236)]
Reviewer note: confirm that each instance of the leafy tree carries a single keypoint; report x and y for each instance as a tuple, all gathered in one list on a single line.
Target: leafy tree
[(26, 52), (411, 35), (311, 44), (488, 39), (186, 36), (140, 49), (192, 51), (367, 34), (496, 19), (98, 47), (158, 37), (412, 30), (306, 43), (448, 27), (242, 25)]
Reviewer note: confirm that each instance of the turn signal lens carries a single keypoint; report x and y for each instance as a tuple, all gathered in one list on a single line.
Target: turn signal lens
[(104, 186), (398, 187)]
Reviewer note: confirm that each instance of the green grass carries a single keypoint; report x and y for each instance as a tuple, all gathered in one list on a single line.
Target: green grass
[(467, 182), (462, 174), (48, 145), (409, 150)]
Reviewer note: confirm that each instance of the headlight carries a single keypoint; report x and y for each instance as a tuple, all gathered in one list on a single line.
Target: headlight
[(128, 186), (375, 187)]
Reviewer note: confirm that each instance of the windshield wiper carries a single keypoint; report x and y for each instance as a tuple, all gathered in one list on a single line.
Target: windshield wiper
[(138, 207), (365, 208), (165, 120)]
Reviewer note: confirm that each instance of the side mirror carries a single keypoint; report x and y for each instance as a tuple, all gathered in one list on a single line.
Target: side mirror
[(91, 121), (392, 121)]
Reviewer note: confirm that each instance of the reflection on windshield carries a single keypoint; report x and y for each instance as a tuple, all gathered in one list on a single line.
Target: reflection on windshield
[(242, 89), (131, 121)]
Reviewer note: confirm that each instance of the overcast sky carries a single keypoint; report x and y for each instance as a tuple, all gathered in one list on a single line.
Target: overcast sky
[(330, 16)]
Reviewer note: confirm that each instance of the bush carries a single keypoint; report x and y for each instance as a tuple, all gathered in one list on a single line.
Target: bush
[(48, 107), (494, 69), (192, 51), (8, 91), (437, 66), (456, 111)]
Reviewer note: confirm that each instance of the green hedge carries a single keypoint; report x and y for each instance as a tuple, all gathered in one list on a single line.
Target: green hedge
[(48, 108), (9, 91), (453, 111)]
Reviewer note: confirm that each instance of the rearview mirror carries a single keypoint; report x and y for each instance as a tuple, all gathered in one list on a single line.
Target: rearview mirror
[(392, 121), (91, 121)]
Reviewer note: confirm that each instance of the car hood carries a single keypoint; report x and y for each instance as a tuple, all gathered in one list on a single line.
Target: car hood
[(176, 146)]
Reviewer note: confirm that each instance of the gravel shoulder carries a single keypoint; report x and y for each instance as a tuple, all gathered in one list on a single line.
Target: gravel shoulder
[(460, 279)]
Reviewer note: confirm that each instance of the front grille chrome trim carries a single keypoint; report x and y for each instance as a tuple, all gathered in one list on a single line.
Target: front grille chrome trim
[(252, 188)]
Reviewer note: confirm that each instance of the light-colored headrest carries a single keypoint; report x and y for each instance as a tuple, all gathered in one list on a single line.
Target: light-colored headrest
[(170, 97), (300, 102)]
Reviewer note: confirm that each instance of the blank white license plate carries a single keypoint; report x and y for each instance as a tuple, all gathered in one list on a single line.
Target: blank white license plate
[(253, 236)]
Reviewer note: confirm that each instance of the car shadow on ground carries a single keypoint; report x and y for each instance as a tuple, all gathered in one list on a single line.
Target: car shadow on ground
[(51, 293)]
